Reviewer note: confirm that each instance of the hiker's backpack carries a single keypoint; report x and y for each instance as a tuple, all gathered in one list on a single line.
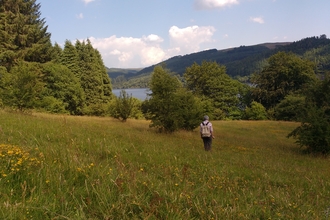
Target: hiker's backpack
[(206, 130)]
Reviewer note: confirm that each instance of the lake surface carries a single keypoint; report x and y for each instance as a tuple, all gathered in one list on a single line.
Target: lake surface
[(136, 93)]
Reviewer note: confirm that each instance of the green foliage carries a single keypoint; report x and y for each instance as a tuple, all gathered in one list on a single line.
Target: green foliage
[(22, 86), (82, 87), (314, 131), (52, 105), (93, 78), (209, 80), (286, 73), (69, 57), (86, 64), (23, 34), (161, 108), (240, 62), (189, 109), (57, 53), (256, 112), (171, 107), (289, 108), (62, 85), (125, 106)]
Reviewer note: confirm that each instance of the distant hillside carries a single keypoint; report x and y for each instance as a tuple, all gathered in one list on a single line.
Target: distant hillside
[(225, 57), (128, 73), (240, 62)]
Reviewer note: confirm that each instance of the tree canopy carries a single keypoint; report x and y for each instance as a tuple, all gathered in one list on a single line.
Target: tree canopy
[(70, 80), (285, 73), (314, 131), (209, 80), (23, 34), (171, 107)]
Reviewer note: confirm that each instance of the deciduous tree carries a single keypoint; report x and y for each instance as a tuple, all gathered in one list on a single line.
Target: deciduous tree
[(286, 73), (314, 131), (62, 85), (123, 106), (209, 80), (171, 107), (22, 86)]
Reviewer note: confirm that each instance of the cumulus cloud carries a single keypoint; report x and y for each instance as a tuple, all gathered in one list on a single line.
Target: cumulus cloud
[(88, 1), (123, 52), (127, 51), (214, 4), (259, 20), (189, 39)]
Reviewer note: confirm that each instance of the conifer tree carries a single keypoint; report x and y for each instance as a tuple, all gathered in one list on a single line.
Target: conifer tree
[(23, 34), (93, 78), (57, 53), (69, 58), (90, 79), (106, 82)]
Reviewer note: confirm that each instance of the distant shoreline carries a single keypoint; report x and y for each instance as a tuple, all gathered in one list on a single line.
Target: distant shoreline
[(139, 93)]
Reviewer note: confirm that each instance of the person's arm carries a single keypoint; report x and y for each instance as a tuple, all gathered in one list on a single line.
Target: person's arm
[(212, 132)]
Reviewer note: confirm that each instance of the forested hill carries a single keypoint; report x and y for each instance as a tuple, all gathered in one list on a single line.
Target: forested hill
[(225, 57), (240, 62)]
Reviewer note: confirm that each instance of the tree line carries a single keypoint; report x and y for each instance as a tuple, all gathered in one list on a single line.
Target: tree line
[(34, 74)]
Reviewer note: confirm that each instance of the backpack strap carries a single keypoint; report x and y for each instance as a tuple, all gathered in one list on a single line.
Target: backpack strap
[(206, 123)]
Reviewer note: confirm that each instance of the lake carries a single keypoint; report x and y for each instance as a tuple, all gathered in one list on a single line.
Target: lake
[(136, 93)]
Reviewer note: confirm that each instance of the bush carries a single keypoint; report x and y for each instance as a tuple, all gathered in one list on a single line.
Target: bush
[(125, 106), (170, 106), (53, 105), (289, 108), (314, 131), (256, 112)]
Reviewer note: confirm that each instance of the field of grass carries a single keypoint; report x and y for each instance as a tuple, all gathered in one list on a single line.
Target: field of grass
[(64, 167)]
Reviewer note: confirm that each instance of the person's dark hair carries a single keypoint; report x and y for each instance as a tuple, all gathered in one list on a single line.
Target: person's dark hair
[(206, 117)]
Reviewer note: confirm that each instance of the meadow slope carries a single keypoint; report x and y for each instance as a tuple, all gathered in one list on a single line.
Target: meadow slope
[(64, 167)]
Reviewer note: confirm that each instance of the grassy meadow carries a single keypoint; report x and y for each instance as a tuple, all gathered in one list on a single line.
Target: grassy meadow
[(64, 167)]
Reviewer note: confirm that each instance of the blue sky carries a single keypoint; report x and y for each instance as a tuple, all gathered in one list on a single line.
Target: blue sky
[(140, 33)]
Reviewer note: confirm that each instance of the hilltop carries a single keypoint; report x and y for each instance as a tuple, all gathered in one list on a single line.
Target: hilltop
[(240, 62)]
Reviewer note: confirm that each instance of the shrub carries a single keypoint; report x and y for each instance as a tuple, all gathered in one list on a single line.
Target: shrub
[(314, 131), (289, 108), (256, 112), (125, 106)]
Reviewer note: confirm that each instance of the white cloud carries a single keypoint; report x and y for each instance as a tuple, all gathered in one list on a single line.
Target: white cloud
[(124, 52), (259, 20), (80, 16), (152, 55), (214, 4), (88, 1), (152, 38), (128, 51), (190, 38)]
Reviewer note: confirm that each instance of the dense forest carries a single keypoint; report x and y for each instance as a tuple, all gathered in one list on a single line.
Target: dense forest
[(240, 62), (287, 81), (38, 75)]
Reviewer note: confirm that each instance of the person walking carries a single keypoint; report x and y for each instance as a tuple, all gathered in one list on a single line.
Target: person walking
[(206, 131)]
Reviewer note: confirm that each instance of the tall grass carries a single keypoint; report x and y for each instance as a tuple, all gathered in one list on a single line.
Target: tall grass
[(63, 167)]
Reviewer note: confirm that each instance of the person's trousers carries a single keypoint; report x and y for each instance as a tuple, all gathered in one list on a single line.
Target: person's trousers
[(207, 143)]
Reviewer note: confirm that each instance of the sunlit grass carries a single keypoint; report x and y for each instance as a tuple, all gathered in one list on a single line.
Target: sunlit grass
[(101, 168)]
